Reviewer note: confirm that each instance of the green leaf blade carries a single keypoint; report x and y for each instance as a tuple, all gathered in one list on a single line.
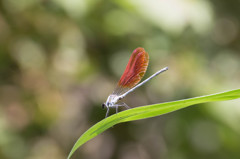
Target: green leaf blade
[(149, 111)]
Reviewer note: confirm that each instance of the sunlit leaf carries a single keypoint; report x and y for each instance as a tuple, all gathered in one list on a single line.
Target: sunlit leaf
[(149, 111)]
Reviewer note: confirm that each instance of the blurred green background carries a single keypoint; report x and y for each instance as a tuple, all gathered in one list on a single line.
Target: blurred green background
[(60, 59)]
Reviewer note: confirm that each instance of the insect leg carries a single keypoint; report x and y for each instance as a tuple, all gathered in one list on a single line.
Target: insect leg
[(107, 112), (124, 104)]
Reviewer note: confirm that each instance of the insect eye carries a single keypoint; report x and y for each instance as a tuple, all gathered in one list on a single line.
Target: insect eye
[(103, 105)]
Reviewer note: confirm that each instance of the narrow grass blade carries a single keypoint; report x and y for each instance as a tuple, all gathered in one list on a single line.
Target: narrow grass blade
[(149, 111)]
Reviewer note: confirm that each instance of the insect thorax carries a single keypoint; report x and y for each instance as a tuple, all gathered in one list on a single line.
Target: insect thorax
[(112, 100)]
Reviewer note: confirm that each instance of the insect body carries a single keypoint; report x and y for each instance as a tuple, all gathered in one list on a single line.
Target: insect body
[(132, 75)]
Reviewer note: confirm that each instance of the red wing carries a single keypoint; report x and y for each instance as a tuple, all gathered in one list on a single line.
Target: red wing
[(135, 70)]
